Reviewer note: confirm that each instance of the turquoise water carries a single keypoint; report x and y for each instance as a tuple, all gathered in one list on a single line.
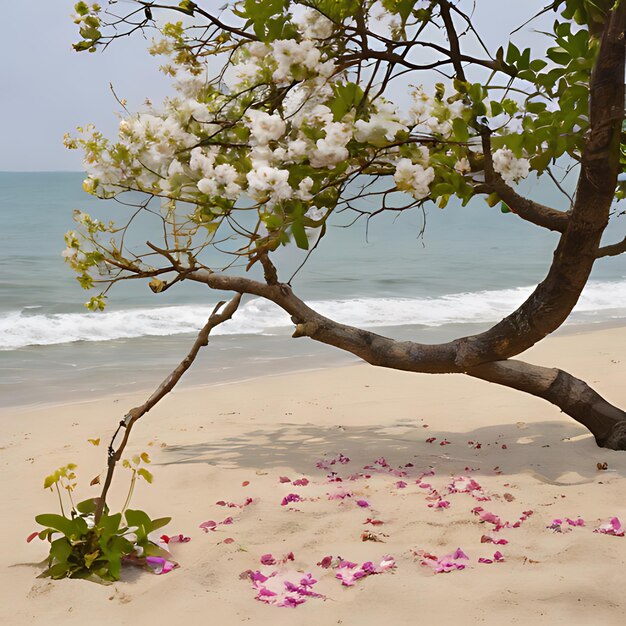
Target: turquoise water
[(471, 267)]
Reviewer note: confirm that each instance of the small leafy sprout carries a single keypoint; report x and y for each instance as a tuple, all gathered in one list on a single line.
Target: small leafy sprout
[(133, 464), (82, 548)]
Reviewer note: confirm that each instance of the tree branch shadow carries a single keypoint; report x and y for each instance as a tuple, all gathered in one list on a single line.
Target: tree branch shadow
[(555, 452)]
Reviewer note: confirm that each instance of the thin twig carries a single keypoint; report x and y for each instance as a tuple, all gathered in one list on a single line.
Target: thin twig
[(161, 391)]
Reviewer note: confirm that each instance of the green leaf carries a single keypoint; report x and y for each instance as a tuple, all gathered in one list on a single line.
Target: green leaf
[(512, 53), (299, 234), (138, 518), (87, 506), (60, 570), (60, 549), (160, 522), (504, 208), (58, 522), (460, 129), (492, 199), (347, 96), (187, 6), (90, 558), (109, 524), (145, 474)]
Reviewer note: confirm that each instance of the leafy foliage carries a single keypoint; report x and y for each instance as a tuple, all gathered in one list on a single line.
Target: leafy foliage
[(83, 547)]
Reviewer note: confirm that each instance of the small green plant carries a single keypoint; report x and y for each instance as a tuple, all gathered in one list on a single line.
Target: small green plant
[(82, 546)]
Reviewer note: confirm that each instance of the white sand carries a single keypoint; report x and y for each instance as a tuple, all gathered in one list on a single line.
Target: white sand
[(206, 442)]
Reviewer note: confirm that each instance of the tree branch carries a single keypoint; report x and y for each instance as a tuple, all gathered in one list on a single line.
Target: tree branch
[(161, 391), (573, 396), (528, 210), (612, 250), (453, 38)]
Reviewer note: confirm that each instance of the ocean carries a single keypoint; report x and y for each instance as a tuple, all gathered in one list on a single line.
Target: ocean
[(471, 266)]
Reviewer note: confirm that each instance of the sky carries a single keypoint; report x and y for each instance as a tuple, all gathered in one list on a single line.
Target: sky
[(47, 89)]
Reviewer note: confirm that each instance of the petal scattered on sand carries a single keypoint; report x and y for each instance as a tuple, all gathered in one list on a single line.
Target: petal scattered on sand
[(348, 573), (175, 539), (292, 497), (159, 565), (612, 527)]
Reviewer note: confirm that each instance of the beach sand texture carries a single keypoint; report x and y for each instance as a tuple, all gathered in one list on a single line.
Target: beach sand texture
[(206, 443)]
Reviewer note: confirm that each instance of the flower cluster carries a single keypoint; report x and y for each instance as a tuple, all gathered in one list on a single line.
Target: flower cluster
[(509, 167), (282, 132)]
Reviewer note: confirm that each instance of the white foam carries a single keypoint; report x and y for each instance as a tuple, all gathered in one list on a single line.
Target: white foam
[(257, 316)]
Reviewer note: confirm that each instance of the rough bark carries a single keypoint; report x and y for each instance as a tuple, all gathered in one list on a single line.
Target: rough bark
[(573, 396)]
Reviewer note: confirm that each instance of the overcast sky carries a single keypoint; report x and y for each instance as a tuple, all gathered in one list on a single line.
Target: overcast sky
[(47, 89)]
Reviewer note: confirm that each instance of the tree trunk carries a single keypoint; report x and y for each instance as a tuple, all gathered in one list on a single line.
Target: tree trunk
[(573, 396)]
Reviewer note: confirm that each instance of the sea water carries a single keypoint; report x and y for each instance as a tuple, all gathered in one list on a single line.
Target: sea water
[(470, 267)]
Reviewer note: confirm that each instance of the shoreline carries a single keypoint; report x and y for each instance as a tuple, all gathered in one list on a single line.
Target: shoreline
[(341, 360)]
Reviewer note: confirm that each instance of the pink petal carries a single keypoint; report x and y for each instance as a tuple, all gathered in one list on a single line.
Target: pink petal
[(228, 520), (268, 559), (284, 479), (459, 554), (175, 539), (400, 484), (326, 562), (160, 565), (301, 482), (32, 536), (292, 497), (229, 540), (363, 503), (208, 525)]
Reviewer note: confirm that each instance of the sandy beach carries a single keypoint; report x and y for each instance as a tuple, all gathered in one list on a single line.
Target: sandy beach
[(406, 436)]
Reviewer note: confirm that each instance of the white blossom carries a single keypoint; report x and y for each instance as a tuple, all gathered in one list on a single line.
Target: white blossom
[(271, 181), (289, 52), (412, 177), (304, 189), (332, 148), (297, 149), (508, 166), (265, 127), (315, 213), (208, 186), (201, 161), (313, 25), (379, 128), (462, 166)]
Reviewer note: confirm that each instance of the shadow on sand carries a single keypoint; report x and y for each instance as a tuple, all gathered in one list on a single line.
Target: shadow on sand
[(556, 452)]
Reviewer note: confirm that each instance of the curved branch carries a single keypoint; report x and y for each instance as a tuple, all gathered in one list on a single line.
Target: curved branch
[(162, 390), (612, 250), (573, 396), (528, 210)]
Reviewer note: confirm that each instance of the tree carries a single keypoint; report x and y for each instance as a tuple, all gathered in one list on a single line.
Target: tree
[(297, 124)]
